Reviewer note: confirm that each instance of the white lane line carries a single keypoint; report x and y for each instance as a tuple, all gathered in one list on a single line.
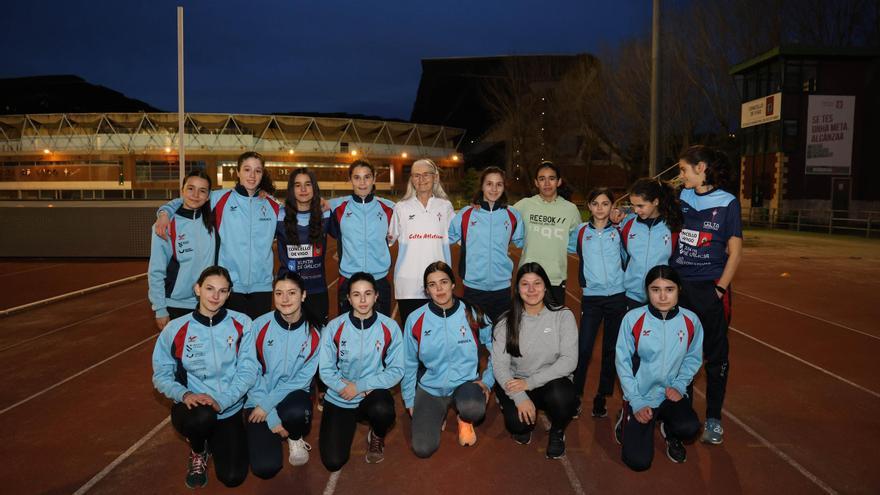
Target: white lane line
[(7, 312), (122, 457), (823, 320), (331, 483), (50, 332), (811, 365), (573, 480), (782, 455), (75, 375), (30, 270)]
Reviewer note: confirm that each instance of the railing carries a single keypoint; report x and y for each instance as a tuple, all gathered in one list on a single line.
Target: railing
[(828, 221)]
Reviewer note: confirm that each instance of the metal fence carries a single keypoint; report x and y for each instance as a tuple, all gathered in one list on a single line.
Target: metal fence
[(863, 223)]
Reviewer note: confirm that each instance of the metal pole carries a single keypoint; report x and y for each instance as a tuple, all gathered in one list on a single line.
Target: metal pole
[(181, 154), (655, 89)]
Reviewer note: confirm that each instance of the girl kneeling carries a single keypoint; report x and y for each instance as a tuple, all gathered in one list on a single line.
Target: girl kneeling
[(659, 350), (280, 406), (361, 359), (205, 362), (442, 340), (535, 353)]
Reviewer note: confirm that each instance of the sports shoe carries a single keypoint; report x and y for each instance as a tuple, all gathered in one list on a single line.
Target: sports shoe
[(618, 428), (522, 438), (197, 473), (675, 450), (299, 451), (466, 434), (556, 444), (376, 448), (713, 432), (599, 410)]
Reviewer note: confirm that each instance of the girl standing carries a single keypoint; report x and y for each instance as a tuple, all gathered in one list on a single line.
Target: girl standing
[(245, 223), (708, 254), (534, 353), (205, 362), (279, 405), (485, 232), (360, 225), (302, 240), (177, 262), (599, 250)]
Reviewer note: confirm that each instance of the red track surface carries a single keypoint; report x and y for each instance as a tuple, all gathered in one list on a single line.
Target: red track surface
[(818, 414)]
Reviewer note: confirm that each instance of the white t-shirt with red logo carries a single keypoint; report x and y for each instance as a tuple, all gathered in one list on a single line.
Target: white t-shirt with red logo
[(422, 236)]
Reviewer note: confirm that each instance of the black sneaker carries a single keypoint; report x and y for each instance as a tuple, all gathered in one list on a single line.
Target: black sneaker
[(197, 474), (674, 448), (522, 438), (556, 444), (599, 410), (618, 428)]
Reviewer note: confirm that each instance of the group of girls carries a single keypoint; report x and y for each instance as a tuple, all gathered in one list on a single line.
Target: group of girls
[(532, 339)]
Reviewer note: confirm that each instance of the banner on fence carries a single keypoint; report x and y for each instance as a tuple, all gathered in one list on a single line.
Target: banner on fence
[(830, 134)]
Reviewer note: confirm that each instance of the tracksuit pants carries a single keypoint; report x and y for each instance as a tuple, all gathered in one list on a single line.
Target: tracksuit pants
[(679, 421), (595, 309), (224, 438), (429, 412), (338, 425), (264, 446)]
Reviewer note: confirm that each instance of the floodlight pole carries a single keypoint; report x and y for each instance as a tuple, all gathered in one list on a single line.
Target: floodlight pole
[(181, 154), (655, 90)]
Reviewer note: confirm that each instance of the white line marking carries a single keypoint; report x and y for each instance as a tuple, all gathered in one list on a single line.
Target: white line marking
[(566, 464), (332, 284), (31, 270), (122, 457), (782, 455), (71, 377), (331, 483), (823, 320), (50, 332), (7, 312), (803, 361)]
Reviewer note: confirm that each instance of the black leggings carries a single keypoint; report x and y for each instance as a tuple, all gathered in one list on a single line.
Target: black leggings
[(254, 304), (318, 304), (338, 425), (679, 421), (714, 314), (556, 398), (224, 438), (264, 446), (407, 306), (594, 309), (178, 312), (493, 302)]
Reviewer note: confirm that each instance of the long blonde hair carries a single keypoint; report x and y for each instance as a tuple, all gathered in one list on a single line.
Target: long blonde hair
[(438, 191)]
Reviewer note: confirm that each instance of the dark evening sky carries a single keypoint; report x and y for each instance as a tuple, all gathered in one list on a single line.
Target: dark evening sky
[(282, 56)]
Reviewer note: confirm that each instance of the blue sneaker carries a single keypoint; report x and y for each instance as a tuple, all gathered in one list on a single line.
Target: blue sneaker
[(713, 433)]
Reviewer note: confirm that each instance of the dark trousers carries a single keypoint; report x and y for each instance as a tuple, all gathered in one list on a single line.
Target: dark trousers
[(493, 302), (253, 304), (338, 425), (595, 309), (383, 305), (225, 438), (556, 398), (679, 421), (318, 305), (558, 293), (407, 306), (714, 314), (429, 411), (178, 312), (264, 446), (632, 304)]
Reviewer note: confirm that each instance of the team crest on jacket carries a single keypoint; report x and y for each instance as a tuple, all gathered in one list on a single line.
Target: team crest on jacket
[(506, 224), (378, 346), (379, 215), (439, 217), (263, 210), (462, 331), (681, 335), (230, 340), (665, 239)]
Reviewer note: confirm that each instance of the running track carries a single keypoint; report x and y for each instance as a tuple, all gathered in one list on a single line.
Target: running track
[(803, 400)]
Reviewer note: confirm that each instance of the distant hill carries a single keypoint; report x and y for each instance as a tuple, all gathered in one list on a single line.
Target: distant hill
[(63, 94)]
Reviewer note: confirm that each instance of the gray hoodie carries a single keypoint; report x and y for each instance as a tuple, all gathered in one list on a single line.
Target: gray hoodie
[(548, 343)]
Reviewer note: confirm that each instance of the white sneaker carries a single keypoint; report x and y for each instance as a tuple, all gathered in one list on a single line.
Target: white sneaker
[(299, 451)]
